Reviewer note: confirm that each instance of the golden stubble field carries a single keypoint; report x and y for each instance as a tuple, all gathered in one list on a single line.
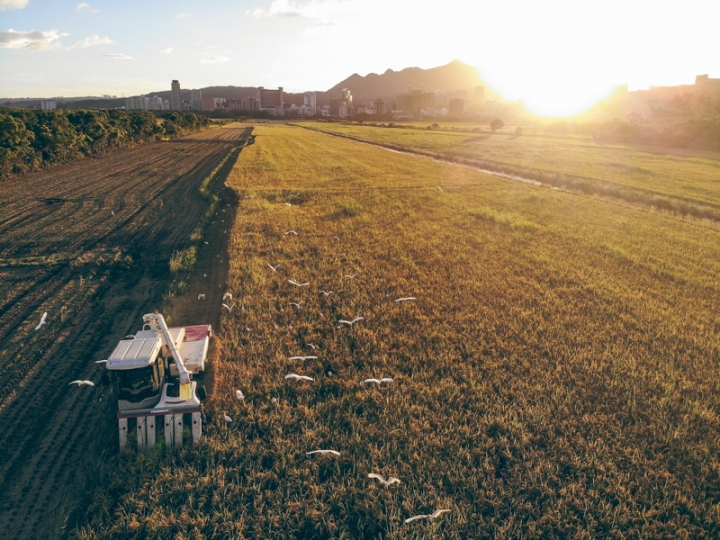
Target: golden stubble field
[(556, 376), (670, 180)]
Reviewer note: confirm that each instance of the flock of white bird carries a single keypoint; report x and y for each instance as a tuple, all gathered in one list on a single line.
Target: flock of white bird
[(304, 378), (77, 383)]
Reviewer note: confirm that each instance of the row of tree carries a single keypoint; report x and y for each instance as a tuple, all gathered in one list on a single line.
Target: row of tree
[(32, 139)]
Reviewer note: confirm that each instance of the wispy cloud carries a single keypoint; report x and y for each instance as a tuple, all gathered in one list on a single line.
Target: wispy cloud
[(169, 50), (183, 15), (215, 60), (118, 56), (91, 42), (282, 8), (34, 40), (81, 6), (321, 28), (12, 4)]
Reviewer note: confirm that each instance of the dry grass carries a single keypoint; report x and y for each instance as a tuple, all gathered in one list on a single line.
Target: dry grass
[(579, 164), (556, 377)]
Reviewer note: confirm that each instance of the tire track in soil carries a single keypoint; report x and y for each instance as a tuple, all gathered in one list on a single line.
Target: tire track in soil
[(52, 432)]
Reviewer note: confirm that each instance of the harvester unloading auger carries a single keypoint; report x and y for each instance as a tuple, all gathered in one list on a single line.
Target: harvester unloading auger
[(156, 374)]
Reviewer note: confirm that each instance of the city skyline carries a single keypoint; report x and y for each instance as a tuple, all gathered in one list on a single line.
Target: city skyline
[(558, 57)]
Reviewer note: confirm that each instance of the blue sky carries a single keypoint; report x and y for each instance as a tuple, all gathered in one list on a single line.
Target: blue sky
[(546, 52)]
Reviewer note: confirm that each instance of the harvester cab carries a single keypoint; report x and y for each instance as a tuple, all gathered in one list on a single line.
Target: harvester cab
[(158, 373)]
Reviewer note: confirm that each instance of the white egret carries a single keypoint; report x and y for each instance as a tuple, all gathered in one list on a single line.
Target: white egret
[(229, 308), (323, 452), (226, 296), (299, 377), (42, 321), (435, 514), (377, 381), (239, 395), (83, 383), (201, 296), (303, 358), (274, 268), (291, 232), (350, 323), (407, 299), (387, 483), (298, 284)]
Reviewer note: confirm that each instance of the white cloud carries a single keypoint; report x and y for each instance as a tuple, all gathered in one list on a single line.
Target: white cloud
[(283, 8), (320, 29), (183, 15), (33, 40), (169, 50), (82, 5), (215, 60), (91, 41), (118, 56), (12, 4)]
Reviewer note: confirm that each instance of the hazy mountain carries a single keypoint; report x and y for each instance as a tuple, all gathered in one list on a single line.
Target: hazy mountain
[(455, 78)]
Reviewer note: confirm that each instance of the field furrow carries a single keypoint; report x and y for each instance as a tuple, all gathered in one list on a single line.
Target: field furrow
[(95, 274)]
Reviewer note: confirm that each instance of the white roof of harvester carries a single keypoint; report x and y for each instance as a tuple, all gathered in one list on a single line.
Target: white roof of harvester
[(134, 353)]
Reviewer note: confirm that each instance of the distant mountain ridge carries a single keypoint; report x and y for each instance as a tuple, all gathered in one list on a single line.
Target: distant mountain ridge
[(453, 78)]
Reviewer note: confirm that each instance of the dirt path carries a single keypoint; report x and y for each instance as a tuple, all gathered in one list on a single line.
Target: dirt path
[(211, 271)]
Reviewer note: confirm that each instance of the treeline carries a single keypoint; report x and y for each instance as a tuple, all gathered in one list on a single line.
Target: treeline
[(699, 133), (32, 139)]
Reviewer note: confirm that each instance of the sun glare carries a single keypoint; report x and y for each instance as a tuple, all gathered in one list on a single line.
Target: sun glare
[(548, 93), (557, 101)]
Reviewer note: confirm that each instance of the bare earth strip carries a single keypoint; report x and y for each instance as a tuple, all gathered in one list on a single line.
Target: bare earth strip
[(89, 243)]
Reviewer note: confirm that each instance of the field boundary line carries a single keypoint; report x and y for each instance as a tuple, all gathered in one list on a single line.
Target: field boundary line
[(570, 183)]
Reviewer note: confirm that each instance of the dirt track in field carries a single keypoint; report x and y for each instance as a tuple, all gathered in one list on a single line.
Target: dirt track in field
[(89, 243)]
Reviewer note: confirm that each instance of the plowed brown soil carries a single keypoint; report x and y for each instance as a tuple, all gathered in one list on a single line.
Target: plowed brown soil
[(89, 243)]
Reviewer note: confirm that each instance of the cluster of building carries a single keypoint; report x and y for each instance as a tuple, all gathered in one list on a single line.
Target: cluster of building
[(416, 103), (147, 103), (413, 104)]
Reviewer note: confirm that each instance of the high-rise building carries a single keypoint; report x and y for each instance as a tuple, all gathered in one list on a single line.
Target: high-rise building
[(48, 104), (416, 100), (196, 100), (380, 106), (309, 103), (457, 107), (208, 104), (272, 100), (346, 104), (155, 103), (479, 97), (137, 103), (175, 101), (705, 85), (342, 105), (250, 104)]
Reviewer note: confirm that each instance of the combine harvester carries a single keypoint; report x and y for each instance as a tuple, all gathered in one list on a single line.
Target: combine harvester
[(153, 374)]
